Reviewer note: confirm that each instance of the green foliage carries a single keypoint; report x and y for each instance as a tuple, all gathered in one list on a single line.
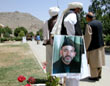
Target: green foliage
[(106, 24), (6, 31), (52, 80), (40, 32), (6, 34), (29, 35), (107, 40), (101, 9), (19, 29), (18, 38), (21, 33), (83, 21), (0, 31), (3, 39)]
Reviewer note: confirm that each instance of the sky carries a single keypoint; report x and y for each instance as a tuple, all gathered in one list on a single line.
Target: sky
[(38, 8)]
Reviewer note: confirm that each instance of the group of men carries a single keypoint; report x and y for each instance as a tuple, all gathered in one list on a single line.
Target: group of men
[(69, 24)]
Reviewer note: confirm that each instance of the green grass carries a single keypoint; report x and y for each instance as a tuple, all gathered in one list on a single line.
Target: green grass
[(15, 60)]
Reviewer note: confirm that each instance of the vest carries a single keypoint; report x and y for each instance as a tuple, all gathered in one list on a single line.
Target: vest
[(51, 23), (97, 39), (77, 25)]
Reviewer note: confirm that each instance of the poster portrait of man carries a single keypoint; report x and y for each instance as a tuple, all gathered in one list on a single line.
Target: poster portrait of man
[(67, 52)]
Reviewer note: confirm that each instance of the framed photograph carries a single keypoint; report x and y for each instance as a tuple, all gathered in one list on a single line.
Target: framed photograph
[(67, 55)]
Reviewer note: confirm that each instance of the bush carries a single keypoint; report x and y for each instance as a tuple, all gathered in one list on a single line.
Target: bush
[(29, 35), (4, 39), (107, 39), (21, 34), (18, 38), (6, 34), (18, 30), (52, 80), (0, 31), (6, 31)]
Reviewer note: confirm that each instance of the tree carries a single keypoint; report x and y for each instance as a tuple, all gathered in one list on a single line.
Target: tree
[(0, 31), (21, 33), (83, 21), (29, 35), (6, 31), (101, 9), (40, 32), (19, 29)]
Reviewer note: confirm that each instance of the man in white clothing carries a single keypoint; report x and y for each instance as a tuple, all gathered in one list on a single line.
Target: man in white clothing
[(47, 28), (71, 20), (48, 25)]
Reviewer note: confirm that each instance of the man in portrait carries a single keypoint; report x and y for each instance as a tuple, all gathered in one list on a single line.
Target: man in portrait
[(70, 57)]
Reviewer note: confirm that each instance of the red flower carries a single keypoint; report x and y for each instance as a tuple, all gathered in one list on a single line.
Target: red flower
[(44, 67), (27, 85), (21, 78), (31, 80)]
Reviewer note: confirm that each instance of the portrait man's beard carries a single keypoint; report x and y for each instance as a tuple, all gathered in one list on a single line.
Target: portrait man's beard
[(67, 59)]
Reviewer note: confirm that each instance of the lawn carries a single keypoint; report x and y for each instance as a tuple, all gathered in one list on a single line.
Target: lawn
[(15, 60)]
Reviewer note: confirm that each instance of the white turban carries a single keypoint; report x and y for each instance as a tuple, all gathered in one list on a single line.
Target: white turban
[(73, 5), (53, 11)]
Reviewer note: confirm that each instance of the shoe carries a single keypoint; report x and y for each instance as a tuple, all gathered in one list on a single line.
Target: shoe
[(93, 79), (99, 77)]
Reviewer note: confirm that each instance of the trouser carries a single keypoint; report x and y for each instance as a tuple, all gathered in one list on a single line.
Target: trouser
[(38, 41), (48, 58), (96, 72)]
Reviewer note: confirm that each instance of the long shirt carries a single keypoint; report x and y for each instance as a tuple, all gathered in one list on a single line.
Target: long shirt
[(69, 23)]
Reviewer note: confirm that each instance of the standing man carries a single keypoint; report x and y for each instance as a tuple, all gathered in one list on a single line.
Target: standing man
[(38, 38), (69, 24), (48, 25), (95, 46), (48, 40), (71, 20)]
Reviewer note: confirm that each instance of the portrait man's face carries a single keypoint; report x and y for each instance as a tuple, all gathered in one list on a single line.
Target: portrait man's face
[(67, 53)]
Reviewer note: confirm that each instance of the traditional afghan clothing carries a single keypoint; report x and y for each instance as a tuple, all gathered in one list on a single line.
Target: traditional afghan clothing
[(69, 23), (48, 25), (95, 51)]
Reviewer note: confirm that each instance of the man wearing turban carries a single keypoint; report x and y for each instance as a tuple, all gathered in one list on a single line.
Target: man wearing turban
[(48, 40), (69, 24)]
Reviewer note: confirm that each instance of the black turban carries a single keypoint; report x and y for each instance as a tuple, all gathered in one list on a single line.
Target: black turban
[(68, 41)]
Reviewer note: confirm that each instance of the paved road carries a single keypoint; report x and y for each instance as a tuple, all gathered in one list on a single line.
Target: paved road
[(39, 52)]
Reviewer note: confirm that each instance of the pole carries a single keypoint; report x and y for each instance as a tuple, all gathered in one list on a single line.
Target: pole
[(57, 4)]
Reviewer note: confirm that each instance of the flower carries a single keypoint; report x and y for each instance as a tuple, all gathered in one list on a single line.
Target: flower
[(31, 80), (44, 64), (21, 78), (44, 67)]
